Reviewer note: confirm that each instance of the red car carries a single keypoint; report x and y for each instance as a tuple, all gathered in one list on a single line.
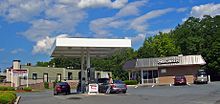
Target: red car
[(180, 80), (62, 87)]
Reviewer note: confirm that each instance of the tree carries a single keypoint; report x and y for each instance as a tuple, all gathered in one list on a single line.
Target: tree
[(160, 45), (42, 64), (64, 62), (115, 63), (201, 36)]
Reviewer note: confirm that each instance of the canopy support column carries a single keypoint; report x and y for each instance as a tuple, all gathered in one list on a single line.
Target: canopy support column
[(82, 71), (129, 75), (142, 76), (87, 63)]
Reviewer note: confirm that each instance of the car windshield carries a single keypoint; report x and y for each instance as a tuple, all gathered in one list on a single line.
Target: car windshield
[(202, 73), (62, 83), (103, 80), (118, 82), (179, 77)]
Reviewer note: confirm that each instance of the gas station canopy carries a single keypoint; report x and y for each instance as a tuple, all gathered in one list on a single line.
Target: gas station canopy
[(74, 47), (85, 48)]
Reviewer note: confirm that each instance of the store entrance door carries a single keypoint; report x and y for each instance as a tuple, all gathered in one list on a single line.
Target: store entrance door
[(150, 76)]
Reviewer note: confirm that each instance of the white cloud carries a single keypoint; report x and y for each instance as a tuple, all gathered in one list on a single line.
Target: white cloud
[(18, 50), (140, 24), (59, 19), (131, 8), (137, 38), (207, 9), (102, 3), (155, 32), (21, 10), (46, 17), (101, 26), (119, 3), (44, 45), (181, 9), (2, 49)]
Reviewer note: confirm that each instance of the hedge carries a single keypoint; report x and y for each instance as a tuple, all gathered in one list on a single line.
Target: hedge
[(7, 97), (130, 82), (27, 89), (46, 85), (4, 88)]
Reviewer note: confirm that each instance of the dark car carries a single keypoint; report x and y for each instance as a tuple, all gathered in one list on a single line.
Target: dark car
[(103, 84), (116, 87), (180, 80), (61, 87)]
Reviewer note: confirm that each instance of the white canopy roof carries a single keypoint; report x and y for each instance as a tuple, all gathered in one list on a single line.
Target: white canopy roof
[(97, 47)]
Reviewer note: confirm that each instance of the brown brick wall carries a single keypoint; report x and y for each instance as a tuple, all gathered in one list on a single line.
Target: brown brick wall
[(5, 84), (170, 79), (188, 71), (73, 84)]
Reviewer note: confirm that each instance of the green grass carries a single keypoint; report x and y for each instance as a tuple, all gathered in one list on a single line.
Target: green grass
[(7, 97)]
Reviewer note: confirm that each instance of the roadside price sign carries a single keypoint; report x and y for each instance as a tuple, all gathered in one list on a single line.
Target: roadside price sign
[(93, 88)]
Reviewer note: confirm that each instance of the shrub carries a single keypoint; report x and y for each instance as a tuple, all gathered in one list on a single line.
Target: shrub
[(130, 82), (27, 89), (7, 97), (10, 88), (46, 85), (4, 88)]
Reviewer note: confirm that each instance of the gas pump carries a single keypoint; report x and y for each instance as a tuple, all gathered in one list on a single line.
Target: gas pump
[(82, 81), (91, 75)]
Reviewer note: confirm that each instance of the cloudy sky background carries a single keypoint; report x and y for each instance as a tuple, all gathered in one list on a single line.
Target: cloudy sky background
[(28, 28)]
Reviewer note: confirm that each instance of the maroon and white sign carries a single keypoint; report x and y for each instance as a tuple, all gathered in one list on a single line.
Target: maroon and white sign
[(93, 88), (19, 72)]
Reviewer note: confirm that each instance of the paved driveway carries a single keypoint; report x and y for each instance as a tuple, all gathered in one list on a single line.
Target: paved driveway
[(194, 94)]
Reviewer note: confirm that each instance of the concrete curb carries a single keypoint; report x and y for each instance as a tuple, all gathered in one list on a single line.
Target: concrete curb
[(17, 100), (131, 85)]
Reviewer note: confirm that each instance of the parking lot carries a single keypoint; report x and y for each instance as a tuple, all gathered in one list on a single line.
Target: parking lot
[(193, 94)]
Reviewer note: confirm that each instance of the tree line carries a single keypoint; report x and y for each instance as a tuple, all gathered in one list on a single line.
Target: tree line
[(194, 36)]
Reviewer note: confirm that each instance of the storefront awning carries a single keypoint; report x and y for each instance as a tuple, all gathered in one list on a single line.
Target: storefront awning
[(164, 62)]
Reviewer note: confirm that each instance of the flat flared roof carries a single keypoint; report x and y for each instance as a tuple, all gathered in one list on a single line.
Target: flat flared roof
[(97, 47), (164, 62)]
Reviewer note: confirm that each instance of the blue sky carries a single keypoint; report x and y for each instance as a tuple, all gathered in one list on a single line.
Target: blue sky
[(28, 28)]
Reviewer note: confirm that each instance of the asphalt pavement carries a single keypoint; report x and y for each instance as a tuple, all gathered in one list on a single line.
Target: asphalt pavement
[(193, 94)]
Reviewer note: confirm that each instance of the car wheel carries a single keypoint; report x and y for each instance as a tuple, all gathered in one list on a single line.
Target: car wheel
[(124, 92), (55, 93)]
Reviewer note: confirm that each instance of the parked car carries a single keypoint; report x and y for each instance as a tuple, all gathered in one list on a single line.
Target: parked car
[(103, 84), (201, 77), (180, 80), (61, 87), (117, 86)]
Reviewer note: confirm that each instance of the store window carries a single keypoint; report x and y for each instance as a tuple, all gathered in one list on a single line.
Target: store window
[(58, 77), (34, 76), (98, 75), (70, 76), (45, 77), (150, 74)]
